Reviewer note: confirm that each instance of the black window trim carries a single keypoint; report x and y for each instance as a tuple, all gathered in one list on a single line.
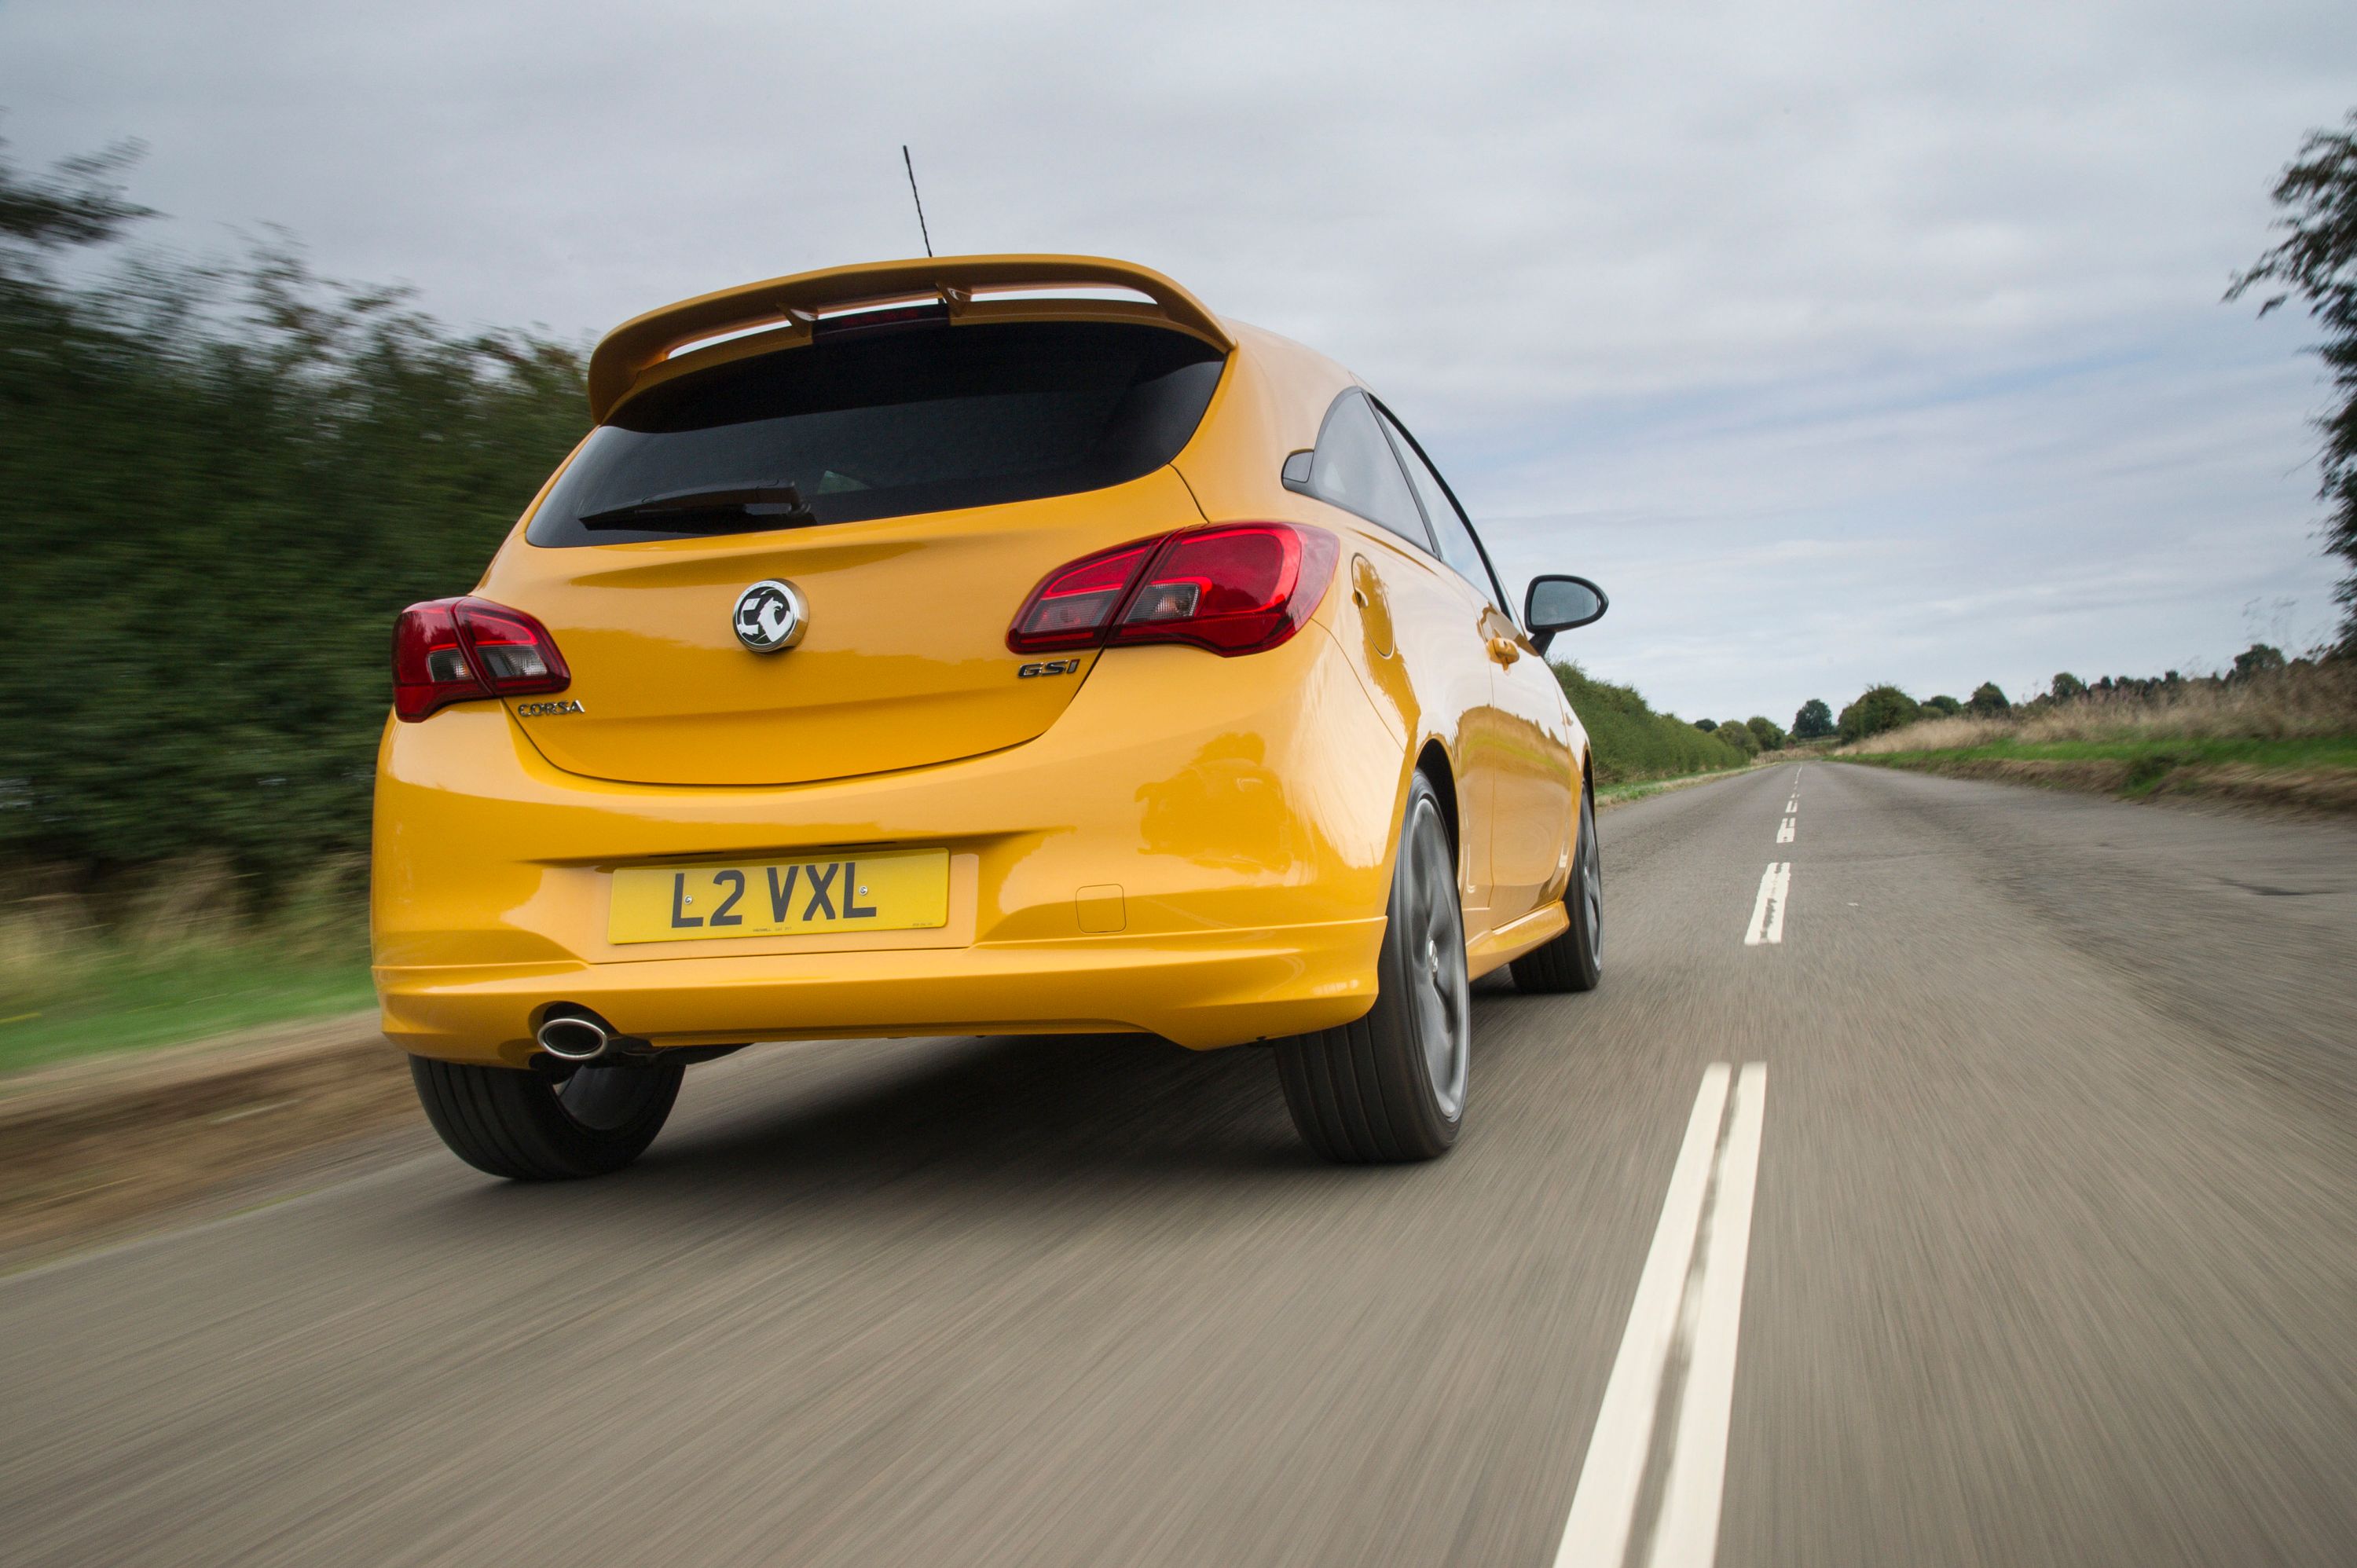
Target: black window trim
[(1428, 543), (1391, 424)]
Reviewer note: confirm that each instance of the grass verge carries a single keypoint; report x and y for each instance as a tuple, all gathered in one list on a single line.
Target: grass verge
[(2317, 772), (1638, 789), (133, 1003), (180, 956)]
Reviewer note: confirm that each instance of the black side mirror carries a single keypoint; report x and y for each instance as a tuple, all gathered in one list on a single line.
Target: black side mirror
[(1559, 604)]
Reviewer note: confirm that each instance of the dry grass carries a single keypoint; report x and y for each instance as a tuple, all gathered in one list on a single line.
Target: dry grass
[(57, 931), (2300, 702), (179, 953)]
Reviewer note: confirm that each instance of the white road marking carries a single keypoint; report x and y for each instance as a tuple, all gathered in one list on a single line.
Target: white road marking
[(1688, 1306), (1602, 1509), (1768, 909), (1784, 834), (1794, 805), (1686, 1534)]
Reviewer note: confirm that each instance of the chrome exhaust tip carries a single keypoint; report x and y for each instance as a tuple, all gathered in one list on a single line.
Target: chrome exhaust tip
[(573, 1039)]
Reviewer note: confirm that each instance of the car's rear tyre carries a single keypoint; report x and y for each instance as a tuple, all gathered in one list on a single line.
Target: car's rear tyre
[(1574, 960), (1391, 1086), (528, 1126)]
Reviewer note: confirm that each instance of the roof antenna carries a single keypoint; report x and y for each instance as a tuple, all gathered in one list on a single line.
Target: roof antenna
[(917, 200)]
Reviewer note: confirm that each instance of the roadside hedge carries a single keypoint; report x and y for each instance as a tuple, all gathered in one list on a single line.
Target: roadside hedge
[(1634, 742), (219, 484)]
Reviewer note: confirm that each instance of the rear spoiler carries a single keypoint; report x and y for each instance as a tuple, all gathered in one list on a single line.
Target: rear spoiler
[(794, 304)]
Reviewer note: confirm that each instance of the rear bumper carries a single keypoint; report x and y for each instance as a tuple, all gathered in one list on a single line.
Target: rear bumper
[(1208, 990), (1239, 811)]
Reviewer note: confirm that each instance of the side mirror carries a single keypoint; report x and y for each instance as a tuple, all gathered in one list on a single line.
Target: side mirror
[(1559, 604)]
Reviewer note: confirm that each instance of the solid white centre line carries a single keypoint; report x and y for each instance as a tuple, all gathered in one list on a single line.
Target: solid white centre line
[(1688, 1306), (1784, 834), (1604, 1506), (1686, 1534), (1768, 909)]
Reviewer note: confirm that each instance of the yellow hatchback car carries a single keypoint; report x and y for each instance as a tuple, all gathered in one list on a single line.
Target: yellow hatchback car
[(981, 645)]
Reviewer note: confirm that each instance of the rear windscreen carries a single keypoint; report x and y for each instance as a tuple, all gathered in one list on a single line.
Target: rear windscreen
[(885, 423)]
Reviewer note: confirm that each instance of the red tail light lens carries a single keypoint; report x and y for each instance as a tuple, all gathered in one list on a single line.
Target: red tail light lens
[(450, 651), (1074, 604), (1232, 588)]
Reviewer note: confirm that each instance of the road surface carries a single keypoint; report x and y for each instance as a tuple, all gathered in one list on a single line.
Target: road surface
[(2030, 1237)]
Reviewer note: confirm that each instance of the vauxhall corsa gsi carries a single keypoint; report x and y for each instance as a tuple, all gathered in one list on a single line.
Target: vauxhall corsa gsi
[(983, 644)]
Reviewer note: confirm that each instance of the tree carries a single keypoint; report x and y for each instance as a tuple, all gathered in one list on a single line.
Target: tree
[(2067, 688), (1764, 730), (1877, 708), (1988, 701), (2316, 202), (1947, 707), (79, 204), (1706, 725), (2256, 659), (242, 434), (1737, 734), (1814, 721)]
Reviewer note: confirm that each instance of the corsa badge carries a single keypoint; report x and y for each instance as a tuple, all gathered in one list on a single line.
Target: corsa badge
[(770, 616)]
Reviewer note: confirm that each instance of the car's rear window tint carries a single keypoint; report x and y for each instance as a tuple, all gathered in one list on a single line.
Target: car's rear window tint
[(890, 423)]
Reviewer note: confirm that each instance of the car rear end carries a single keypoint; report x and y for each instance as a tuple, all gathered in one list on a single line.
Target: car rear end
[(879, 674)]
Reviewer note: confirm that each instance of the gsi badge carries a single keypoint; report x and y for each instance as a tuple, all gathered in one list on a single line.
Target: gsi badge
[(770, 616)]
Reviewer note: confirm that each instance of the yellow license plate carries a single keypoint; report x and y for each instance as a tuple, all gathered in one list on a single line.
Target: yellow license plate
[(891, 890)]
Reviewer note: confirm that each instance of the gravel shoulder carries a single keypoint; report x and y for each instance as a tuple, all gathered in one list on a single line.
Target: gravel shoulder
[(96, 1148)]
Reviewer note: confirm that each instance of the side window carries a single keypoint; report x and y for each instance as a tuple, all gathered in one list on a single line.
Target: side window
[(1355, 469), (1448, 525)]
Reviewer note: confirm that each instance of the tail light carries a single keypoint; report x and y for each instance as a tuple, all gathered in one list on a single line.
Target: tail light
[(449, 651), (1232, 588)]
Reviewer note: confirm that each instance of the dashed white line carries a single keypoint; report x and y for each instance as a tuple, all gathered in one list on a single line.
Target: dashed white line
[(1784, 834), (1794, 805), (1768, 909), (1683, 1320)]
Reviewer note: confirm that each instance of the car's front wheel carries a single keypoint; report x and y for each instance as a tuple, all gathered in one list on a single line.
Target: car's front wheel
[(1391, 1086), (528, 1126)]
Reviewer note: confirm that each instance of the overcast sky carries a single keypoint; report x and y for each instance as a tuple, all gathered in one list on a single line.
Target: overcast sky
[(1841, 343)]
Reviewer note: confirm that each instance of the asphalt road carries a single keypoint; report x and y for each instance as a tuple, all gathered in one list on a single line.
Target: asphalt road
[(2051, 1258)]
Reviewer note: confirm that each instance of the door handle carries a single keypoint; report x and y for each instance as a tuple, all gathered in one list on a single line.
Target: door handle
[(1503, 649)]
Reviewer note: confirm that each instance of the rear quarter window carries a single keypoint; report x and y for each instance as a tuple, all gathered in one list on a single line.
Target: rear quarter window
[(888, 423), (1353, 468)]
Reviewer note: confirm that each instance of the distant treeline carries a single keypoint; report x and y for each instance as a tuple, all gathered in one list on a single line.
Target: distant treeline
[(1884, 707), (219, 482)]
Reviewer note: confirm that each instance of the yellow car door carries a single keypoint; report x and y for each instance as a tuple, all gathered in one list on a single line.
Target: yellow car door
[(1524, 757), (1435, 619)]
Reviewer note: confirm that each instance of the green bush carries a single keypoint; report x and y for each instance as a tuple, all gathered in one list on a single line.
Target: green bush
[(1737, 734), (222, 483), (1765, 732), (1634, 742), (1947, 707), (1877, 708)]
